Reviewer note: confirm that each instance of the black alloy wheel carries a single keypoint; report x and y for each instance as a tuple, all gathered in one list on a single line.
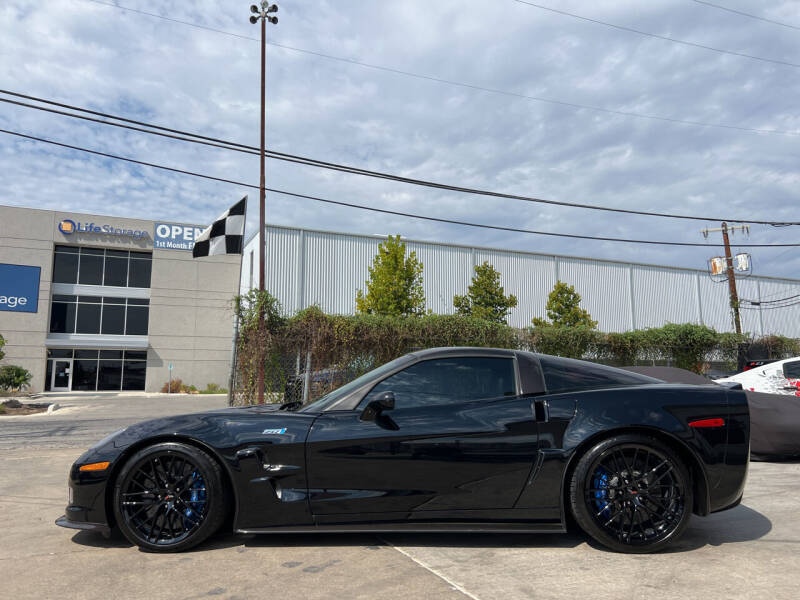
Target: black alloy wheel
[(169, 497), (632, 493)]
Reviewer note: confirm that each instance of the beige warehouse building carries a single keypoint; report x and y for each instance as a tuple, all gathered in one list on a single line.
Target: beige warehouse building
[(99, 303)]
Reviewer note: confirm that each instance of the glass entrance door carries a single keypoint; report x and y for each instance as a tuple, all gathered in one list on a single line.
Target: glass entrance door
[(62, 376)]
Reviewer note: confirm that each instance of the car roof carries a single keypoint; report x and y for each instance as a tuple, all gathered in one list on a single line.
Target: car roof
[(462, 351)]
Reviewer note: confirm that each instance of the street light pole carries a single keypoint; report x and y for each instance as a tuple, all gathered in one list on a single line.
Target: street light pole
[(262, 14)]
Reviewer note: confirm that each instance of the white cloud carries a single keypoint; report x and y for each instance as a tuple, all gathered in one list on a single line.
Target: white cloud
[(188, 78)]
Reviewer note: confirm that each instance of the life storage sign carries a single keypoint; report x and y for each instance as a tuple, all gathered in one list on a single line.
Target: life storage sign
[(19, 288), (174, 236)]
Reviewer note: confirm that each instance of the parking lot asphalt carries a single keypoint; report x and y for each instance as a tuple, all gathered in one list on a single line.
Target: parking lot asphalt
[(748, 552)]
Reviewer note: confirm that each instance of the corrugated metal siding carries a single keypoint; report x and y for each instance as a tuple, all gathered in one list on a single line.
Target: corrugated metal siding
[(282, 251), (313, 267), (603, 288), (444, 273), (780, 320), (663, 295)]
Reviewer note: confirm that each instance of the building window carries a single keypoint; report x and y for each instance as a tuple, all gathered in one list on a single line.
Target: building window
[(65, 265), (95, 266), (137, 317), (140, 269), (96, 315), (115, 272), (90, 267), (104, 370)]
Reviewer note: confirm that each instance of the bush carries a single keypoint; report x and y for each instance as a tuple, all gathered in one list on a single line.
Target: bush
[(175, 386), (344, 347), (213, 388), (571, 342), (347, 346), (2, 343), (14, 378)]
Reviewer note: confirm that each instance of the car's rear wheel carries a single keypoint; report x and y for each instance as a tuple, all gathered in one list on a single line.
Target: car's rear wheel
[(169, 497), (632, 493)]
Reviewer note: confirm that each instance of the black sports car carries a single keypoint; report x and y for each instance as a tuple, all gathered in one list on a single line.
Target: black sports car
[(448, 439)]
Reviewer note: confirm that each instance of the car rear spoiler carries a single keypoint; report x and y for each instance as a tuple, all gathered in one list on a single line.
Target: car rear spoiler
[(731, 385)]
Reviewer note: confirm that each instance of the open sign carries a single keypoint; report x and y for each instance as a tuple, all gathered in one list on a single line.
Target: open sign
[(175, 236)]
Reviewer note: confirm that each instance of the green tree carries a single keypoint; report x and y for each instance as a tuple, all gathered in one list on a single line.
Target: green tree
[(564, 310), (2, 343), (485, 297), (394, 286)]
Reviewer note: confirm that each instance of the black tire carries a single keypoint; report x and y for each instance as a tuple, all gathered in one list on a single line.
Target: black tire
[(169, 497), (641, 513)]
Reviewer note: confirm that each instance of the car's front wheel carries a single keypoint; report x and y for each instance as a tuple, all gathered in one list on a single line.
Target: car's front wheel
[(632, 493), (169, 497)]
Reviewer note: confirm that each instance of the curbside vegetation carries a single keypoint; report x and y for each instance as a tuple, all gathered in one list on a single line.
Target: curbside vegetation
[(341, 348)]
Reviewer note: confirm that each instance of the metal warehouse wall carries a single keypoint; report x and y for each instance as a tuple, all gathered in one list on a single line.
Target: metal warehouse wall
[(306, 267)]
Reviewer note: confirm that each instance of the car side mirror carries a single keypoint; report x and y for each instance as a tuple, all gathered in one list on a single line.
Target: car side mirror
[(376, 406)]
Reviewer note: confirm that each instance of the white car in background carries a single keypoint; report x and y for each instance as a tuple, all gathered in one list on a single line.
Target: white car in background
[(780, 377)]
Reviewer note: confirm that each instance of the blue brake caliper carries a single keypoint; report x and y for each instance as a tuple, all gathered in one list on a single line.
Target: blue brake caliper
[(600, 485), (197, 499)]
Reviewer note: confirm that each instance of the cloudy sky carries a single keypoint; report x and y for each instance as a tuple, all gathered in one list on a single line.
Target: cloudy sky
[(520, 134)]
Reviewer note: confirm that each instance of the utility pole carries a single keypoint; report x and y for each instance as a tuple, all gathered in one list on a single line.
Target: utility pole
[(262, 14), (729, 270)]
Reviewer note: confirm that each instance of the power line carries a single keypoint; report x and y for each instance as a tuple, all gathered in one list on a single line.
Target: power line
[(660, 37), (744, 14), (235, 146), (462, 84), (771, 301), (371, 208), (757, 307)]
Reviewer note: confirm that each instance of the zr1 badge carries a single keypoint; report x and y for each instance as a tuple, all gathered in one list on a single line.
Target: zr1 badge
[(274, 431)]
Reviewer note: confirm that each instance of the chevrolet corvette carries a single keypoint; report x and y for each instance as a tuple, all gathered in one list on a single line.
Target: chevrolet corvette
[(446, 439)]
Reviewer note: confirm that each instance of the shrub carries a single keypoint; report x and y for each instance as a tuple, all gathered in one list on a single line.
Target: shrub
[(175, 386), (213, 388), (2, 343), (14, 378), (571, 342)]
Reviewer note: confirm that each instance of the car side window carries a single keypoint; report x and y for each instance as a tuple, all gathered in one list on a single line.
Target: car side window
[(448, 381), (791, 370), (566, 375)]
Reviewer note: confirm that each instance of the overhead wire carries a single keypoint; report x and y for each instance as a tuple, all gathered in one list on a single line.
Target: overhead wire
[(238, 147), (745, 14), (657, 36), (771, 301), (771, 307), (371, 208), (452, 82)]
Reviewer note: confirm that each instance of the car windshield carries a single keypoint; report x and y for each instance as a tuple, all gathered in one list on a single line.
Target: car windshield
[(329, 399)]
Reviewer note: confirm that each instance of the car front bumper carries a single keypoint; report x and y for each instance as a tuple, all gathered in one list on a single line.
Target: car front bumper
[(103, 528)]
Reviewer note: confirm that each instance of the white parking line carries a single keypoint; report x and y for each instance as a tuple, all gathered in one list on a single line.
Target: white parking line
[(440, 575)]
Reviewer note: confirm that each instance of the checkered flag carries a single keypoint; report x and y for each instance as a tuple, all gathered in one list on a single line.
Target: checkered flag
[(225, 234)]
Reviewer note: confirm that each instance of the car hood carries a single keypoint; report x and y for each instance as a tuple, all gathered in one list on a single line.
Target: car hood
[(220, 428)]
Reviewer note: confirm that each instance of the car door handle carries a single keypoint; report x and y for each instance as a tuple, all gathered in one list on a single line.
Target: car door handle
[(540, 410)]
